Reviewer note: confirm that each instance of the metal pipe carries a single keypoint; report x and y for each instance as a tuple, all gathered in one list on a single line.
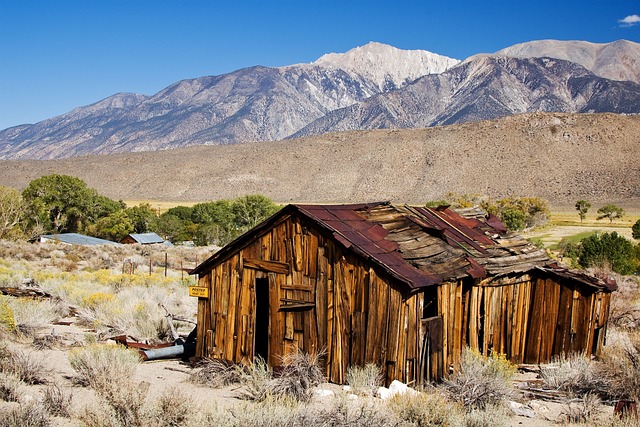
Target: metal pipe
[(162, 353)]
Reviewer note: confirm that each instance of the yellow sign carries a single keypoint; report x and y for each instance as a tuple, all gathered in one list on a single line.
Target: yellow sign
[(198, 291)]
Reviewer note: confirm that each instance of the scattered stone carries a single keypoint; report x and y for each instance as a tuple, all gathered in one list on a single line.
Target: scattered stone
[(324, 393), (521, 410)]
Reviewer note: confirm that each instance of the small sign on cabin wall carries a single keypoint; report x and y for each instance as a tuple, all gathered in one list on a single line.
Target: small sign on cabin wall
[(198, 291)]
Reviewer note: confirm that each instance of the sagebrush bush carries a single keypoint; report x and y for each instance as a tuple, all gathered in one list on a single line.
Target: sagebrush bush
[(573, 373), (620, 367), (581, 410), (99, 365), (30, 415), (56, 400), (172, 408), (481, 380), (490, 416), (426, 409), (365, 380), (28, 367), (341, 411), (31, 316)]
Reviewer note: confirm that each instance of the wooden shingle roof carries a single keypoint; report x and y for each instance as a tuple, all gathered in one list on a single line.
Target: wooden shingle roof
[(420, 246)]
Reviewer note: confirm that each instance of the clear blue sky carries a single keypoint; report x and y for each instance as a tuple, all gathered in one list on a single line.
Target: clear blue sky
[(58, 55)]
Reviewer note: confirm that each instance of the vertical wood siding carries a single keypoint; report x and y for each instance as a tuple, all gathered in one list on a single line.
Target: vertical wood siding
[(322, 297)]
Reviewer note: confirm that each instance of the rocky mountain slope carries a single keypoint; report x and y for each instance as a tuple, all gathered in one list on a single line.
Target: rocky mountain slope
[(373, 86), (619, 60), (561, 157), (482, 88), (252, 104)]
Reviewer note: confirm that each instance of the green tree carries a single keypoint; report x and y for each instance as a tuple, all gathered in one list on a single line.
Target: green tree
[(13, 211), (182, 212), (63, 203), (252, 209), (582, 206), (608, 248), (143, 218), (635, 230), (610, 211), (114, 226), (219, 212), (174, 229)]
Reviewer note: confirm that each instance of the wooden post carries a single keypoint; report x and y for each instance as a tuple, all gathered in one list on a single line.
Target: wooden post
[(150, 266), (166, 258)]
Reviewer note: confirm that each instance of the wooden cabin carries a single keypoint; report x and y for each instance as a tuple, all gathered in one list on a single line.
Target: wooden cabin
[(406, 288)]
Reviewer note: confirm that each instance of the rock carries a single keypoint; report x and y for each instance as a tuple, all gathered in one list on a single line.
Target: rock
[(396, 387), (323, 393), (384, 393), (521, 410)]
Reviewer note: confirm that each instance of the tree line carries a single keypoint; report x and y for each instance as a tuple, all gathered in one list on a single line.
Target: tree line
[(54, 204)]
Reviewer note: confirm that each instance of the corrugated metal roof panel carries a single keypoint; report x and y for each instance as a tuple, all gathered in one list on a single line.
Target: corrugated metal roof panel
[(77, 239)]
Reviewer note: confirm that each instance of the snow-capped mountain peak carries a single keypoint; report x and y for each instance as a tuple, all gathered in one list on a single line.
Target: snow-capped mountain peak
[(386, 64)]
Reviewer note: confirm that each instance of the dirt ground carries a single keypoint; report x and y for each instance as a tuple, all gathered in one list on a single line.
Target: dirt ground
[(164, 375)]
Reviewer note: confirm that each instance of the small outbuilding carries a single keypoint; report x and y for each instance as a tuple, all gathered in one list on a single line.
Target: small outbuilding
[(406, 288), (144, 239), (75, 239)]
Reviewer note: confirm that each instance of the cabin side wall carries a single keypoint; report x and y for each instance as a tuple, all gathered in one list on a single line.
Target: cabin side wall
[(528, 319), (321, 298)]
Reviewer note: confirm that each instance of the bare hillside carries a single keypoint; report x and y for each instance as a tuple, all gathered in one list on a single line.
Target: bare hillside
[(561, 157)]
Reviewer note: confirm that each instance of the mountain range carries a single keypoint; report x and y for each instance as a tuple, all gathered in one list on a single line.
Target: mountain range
[(369, 87)]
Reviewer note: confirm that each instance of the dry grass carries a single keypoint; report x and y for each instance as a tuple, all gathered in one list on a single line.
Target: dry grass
[(365, 380), (57, 401), (426, 409), (27, 367), (30, 415), (216, 373)]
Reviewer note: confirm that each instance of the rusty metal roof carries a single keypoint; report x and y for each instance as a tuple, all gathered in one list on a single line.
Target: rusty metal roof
[(421, 246)]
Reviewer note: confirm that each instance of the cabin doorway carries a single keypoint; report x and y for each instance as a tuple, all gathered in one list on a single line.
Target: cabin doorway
[(262, 319)]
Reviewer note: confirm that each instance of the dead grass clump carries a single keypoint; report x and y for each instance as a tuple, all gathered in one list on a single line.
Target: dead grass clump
[(270, 412), (426, 409), (300, 372), (26, 366), (490, 416), (9, 387), (56, 401), (365, 380), (581, 410), (216, 373), (172, 409), (573, 373), (481, 380), (256, 380), (31, 415)]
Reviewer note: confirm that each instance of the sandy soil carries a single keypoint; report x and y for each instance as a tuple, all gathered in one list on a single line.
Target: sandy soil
[(164, 375)]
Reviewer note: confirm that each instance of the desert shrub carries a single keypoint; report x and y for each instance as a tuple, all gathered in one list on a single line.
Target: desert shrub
[(270, 412), (56, 400), (581, 410), (490, 416), (300, 372), (172, 409), (481, 380), (365, 380), (216, 373), (99, 365), (426, 409), (256, 380), (30, 315), (9, 387), (31, 415), (7, 321), (624, 311), (573, 373), (620, 367), (28, 367), (342, 411)]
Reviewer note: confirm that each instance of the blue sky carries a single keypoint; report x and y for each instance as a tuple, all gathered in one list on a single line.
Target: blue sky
[(58, 55)]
